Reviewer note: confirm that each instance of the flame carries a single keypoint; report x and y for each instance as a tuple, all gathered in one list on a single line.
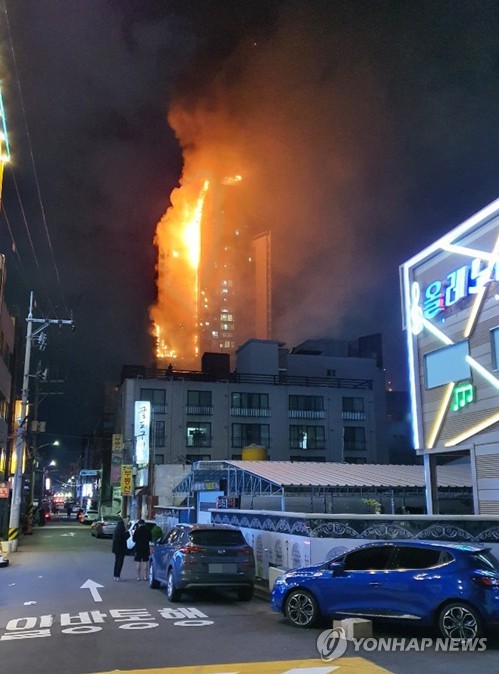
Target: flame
[(232, 180), (192, 231), (178, 238)]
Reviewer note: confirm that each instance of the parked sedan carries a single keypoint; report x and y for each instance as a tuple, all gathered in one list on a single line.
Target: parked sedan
[(454, 588), (89, 516), (194, 556), (105, 526)]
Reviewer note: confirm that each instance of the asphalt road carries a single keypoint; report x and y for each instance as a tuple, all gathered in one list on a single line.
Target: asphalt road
[(60, 611)]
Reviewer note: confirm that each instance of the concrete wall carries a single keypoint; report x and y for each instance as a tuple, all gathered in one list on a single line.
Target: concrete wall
[(290, 540), (166, 477)]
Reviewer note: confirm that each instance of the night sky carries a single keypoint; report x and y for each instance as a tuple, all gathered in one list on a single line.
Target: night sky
[(366, 130)]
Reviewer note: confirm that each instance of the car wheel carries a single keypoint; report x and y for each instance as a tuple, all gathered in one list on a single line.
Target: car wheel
[(459, 620), (153, 583), (301, 608), (245, 593), (172, 592)]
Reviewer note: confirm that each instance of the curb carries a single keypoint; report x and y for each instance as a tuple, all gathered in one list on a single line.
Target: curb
[(262, 590)]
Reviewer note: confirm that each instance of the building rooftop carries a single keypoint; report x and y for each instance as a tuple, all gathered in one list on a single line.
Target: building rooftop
[(295, 474)]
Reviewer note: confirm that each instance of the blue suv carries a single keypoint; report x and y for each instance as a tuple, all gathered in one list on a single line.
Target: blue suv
[(454, 588), (193, 556)]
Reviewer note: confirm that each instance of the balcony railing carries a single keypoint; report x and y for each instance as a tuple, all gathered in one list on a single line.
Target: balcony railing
[(250, 411), (353, 416), (198, 441), (158, 409), (357, 446), (205, 410), (306, 414), (137, 371)]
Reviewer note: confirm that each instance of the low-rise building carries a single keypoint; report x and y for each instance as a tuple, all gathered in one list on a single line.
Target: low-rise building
[(298, 405)]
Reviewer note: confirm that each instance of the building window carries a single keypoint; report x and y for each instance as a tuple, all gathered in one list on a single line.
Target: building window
[(315, 459), (354, 438), (353, 409), (306, 407), (199, 402), (308, 403), (159, 434), (198, 435), (494, 339), (307, 437), (157, 398), (353, 404), (250, 434), (159, 459), (192, 458), (250, 404)]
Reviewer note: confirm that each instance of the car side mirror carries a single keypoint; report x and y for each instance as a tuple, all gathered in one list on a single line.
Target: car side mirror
[(337, 568)]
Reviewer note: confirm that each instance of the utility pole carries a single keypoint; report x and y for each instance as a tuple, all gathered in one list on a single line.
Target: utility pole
[(15, 506)]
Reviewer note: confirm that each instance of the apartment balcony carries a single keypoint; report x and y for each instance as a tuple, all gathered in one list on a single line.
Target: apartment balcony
[(204, 410), (250, 411), (306, 414), (353, 416), (158, 409)]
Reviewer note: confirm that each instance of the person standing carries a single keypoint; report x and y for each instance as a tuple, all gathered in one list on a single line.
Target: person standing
[(120, 537), (142, 538)]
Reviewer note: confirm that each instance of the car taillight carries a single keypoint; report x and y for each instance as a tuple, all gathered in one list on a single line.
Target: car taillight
[(486, 581), (191, 549)]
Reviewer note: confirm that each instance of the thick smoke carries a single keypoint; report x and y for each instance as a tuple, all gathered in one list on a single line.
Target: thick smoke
[(308, 134)]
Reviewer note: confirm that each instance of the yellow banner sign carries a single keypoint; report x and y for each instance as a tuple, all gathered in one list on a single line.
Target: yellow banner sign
[(126, 480)]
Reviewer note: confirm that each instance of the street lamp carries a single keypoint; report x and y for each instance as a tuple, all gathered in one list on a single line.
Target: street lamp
[(34, 464)]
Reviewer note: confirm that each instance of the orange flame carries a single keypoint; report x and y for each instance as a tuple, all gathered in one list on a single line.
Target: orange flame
[(178, 238)]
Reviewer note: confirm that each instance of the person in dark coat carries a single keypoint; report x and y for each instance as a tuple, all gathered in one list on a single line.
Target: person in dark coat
[(120, 537), (142, 538)]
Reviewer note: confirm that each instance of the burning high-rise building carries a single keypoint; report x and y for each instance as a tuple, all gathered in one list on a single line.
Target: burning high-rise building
[(213, 275)]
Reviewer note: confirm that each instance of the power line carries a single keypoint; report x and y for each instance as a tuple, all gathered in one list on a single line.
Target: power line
[(42, 209)]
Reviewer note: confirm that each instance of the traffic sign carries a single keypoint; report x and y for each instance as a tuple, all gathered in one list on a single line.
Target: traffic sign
[(89, 472)]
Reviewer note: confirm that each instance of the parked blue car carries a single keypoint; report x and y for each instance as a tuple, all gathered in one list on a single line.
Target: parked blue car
[(454, 588), (193, 556)]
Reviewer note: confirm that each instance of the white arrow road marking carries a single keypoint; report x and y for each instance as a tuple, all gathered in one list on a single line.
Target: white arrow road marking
[(92, 586), (71, 533), (28, 603)]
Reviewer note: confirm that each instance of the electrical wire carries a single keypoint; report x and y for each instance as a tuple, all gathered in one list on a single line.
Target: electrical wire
[(15, 250), (42, 209)]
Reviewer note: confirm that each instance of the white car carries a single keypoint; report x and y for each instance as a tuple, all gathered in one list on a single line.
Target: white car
[(90, 516), (131, 526)]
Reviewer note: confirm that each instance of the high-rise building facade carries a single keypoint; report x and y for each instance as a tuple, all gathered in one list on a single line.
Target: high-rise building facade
[(214, 292)]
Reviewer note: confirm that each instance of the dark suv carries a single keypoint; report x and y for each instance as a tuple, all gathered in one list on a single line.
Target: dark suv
[(194, 556)]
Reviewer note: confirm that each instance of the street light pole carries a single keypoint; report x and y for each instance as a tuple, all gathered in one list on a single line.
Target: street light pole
[(15, 505)]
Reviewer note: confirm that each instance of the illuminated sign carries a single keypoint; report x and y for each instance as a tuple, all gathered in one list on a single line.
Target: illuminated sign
[(126, 480), (141, 432), (459, 284), (464, 394), (451, 363)]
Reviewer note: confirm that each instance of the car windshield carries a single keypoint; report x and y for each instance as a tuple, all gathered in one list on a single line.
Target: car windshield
[(216, 537)]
